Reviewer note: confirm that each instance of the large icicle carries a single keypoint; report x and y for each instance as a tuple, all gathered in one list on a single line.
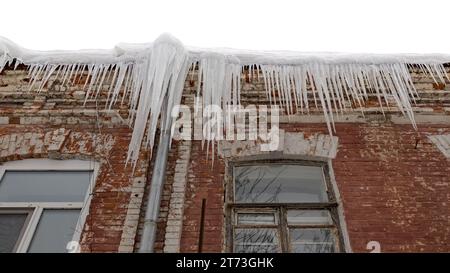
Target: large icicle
[(161, 75)]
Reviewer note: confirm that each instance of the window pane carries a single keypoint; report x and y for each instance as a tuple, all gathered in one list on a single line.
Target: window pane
[(44, 186), (309, 217), (310, 240), (279, 184), (54, 231), (256, 218), (256, 240), (10, 228)]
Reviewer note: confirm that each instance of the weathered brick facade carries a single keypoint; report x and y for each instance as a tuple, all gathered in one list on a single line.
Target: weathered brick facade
[(54, 124), (393, 181), (394, 185)]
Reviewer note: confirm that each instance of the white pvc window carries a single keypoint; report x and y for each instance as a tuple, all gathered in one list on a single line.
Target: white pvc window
[(43, 203)]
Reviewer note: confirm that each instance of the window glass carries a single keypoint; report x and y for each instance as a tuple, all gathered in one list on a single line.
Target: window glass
[(309, 217), (256, 218), (311, 240), (55, 230), (44, 186), (256, 240), (279, 184), (272, 210), (11, 225)]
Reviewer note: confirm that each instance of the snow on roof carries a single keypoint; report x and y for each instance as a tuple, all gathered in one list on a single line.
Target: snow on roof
[(131, 52), (148, 73)]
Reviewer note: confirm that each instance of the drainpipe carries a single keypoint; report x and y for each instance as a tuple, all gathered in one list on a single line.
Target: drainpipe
[(154, 198)]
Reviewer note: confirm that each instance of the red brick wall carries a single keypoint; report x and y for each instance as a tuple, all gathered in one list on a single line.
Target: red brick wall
[(394, 184), (110, 199), (54, 124), (205, 181)]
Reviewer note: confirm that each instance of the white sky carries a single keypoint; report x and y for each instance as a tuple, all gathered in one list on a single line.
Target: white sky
[(378, 26)]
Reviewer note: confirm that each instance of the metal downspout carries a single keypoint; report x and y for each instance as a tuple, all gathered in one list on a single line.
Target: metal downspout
[(154, 198)]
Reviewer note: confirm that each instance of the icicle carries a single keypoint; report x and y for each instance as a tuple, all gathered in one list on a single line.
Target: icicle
[(93, 79), (127, 86), (36, 73), (117, 82), (164, 71), (144, 79), (47, 74)]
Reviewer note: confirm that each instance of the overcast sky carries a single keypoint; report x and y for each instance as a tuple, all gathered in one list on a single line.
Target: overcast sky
[(380, 26)]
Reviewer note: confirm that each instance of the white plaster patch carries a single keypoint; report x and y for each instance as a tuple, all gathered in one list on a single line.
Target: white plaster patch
[(177, 200), (4, 120), (316, 145), (442, 142), (132, 219)]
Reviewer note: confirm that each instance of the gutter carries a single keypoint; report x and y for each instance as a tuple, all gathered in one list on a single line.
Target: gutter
[(147, 241)]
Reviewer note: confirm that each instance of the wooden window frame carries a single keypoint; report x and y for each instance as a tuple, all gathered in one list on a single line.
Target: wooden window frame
[(232, 208)]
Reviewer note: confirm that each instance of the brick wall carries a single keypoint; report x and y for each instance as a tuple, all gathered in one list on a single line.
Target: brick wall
[(205, 181), (54, 124), (395, 186), (393, 180)]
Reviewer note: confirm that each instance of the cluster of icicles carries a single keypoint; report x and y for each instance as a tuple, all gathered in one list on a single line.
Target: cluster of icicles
[(145, 78)]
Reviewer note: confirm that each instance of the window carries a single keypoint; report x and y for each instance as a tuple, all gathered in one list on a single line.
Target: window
[(285, 206), (43, 203)]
